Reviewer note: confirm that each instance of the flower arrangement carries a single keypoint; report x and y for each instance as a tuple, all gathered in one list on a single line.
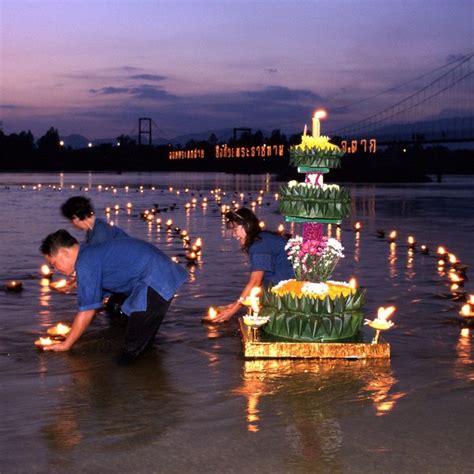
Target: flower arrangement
[(301, 289), (314, 260), (319, 143), (309, 184)]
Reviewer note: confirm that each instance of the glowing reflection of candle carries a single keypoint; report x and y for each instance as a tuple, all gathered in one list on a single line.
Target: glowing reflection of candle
[(466, 311), (392, 260)]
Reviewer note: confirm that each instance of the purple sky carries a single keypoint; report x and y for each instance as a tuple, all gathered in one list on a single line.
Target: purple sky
[(94, 67)]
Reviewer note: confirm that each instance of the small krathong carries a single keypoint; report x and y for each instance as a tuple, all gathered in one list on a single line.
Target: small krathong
[(45, 341), (59, 330), (212, 314), (46, 272), (60, 285), (14, 286), (381, 323)]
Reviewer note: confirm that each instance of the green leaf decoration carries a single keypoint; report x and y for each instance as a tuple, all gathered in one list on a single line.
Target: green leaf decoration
[(312, 320)]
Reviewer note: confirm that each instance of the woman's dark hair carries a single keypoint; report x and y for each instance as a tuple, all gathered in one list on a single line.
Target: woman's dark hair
[(249, 221), (55, 241), (77, 206)]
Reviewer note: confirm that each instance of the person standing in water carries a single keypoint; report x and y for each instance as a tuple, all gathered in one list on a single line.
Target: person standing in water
[(80, 212), (269, 262)]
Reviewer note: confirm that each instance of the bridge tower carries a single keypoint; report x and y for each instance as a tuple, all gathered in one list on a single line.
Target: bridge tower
[(144, 131)]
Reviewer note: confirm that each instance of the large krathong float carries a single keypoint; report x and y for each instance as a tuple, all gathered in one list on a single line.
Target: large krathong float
[(311, 315)]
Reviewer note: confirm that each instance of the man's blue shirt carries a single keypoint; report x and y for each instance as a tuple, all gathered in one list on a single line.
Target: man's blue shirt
[(101, 232), (126, 266), (268, 255)]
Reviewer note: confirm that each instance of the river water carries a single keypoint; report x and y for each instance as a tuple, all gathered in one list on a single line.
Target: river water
[(194, 404)]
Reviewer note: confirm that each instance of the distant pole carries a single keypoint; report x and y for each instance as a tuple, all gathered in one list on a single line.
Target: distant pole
[(144, 130)]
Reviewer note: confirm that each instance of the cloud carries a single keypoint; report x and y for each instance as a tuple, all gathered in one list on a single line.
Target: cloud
[(144, 91), (10, 107), (110, 90), (283, 94), (148, 77)]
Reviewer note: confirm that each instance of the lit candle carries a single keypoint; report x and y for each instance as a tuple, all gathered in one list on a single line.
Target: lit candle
[(424, 249), (393, 236), (46, 271), (319, 114), (380, 323), (357, 226), (190, 256), (353, 283), (14, 286), (411, 241), (59, 330)]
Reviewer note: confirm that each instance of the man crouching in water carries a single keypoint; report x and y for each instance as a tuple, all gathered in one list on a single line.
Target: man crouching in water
[(136, 268)]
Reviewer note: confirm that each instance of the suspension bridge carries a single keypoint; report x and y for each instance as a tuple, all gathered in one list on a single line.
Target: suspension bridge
[(439, 111)]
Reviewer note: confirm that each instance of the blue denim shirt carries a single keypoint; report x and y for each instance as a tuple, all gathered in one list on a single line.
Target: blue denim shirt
[(101, 232), (127, 266), (269, 255)]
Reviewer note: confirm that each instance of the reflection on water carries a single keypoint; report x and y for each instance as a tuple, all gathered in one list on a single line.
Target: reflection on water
[(85, 411)]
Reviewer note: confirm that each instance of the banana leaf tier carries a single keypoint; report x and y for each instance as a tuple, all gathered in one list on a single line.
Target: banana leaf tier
[(302, 318), (303, 203), (315, 159)]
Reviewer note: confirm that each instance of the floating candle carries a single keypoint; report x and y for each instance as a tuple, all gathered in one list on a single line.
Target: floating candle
[(14, 286), (424, 249), (392, 236), (59, 330), (411, 242), (46, 272), (59, 285), (45, 341)]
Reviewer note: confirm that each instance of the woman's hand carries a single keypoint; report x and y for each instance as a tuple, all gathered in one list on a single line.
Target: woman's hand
[(227, 312)]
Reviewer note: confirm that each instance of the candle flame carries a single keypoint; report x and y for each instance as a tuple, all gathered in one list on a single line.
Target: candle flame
[(466, 310), (198, 242), (320, 114), (441, 250), (254, 299), (45, 341), (353, 283), (45, 270), (384, 313), (471, 300), (212, 313)]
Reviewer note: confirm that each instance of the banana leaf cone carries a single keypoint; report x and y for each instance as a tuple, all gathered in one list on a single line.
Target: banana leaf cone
[(312, 319), (316, 158), (314, 203)]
